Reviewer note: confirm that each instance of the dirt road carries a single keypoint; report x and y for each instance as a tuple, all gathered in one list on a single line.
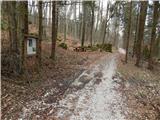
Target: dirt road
[(98, 99)]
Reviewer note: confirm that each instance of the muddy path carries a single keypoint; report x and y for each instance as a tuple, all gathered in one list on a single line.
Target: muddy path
[(92, 96)]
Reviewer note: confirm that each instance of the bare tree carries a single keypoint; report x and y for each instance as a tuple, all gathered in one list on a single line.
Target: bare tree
[(53, 30), (40, 34), (128, 31), (24, 31), (136, 34), (105, 24), (65, 23), (14, 43), (92, 21), (153, 35), (142, 18), (84, 23), (75, 24)]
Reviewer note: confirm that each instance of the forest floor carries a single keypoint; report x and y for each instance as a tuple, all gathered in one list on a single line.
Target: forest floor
[(141, 90), (18, 91), (82, 85)]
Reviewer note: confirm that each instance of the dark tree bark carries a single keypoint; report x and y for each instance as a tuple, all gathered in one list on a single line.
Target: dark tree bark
[(56, 26), (115, 25), (39, 34), (14, 43), (136, 34), (53, 30), (157, 46), (97, 16), (153, 34), (92, 23), (65, 23), (143, 12), (128, 31), (84, 24), (50, 6), (105, 24), (24, 32)]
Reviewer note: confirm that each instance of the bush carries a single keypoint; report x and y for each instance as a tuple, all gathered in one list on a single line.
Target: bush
[(105, 47), (94, 48), (98, 45), (63, 45)]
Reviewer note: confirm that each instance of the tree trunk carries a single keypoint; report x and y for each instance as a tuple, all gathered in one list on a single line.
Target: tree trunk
[(101, 22), (97, 16), (39, 34), (53, 30), (153, 35), (105, 24), (92, 23), (14, 50), (128, 31), (24, 30), (84, 23), (75, 25), (116, 25), (135, 39), (80, 21), (65, 24), (143, 12), (157, 46), (50, 6)]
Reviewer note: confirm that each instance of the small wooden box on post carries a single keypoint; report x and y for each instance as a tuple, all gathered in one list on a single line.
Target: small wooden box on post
[(31, 51)]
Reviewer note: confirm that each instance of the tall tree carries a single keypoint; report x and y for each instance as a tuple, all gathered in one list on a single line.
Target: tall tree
[(53, 30), (65, 23), (80, 21), (142, 18), (136, 30), (14, 43), (105, 24), (75, 22), (92, 21), (39, 34), (128, 31), (98, 14), (84, 23), (50, 6), (153, 34), (115, 24), (23, 31)]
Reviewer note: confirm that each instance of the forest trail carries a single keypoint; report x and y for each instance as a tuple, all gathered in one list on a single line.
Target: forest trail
[(92, 96), (98, 99)]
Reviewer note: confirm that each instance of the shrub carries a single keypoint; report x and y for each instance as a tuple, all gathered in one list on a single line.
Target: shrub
[(63, 45), (94, 48), (105, 47)]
